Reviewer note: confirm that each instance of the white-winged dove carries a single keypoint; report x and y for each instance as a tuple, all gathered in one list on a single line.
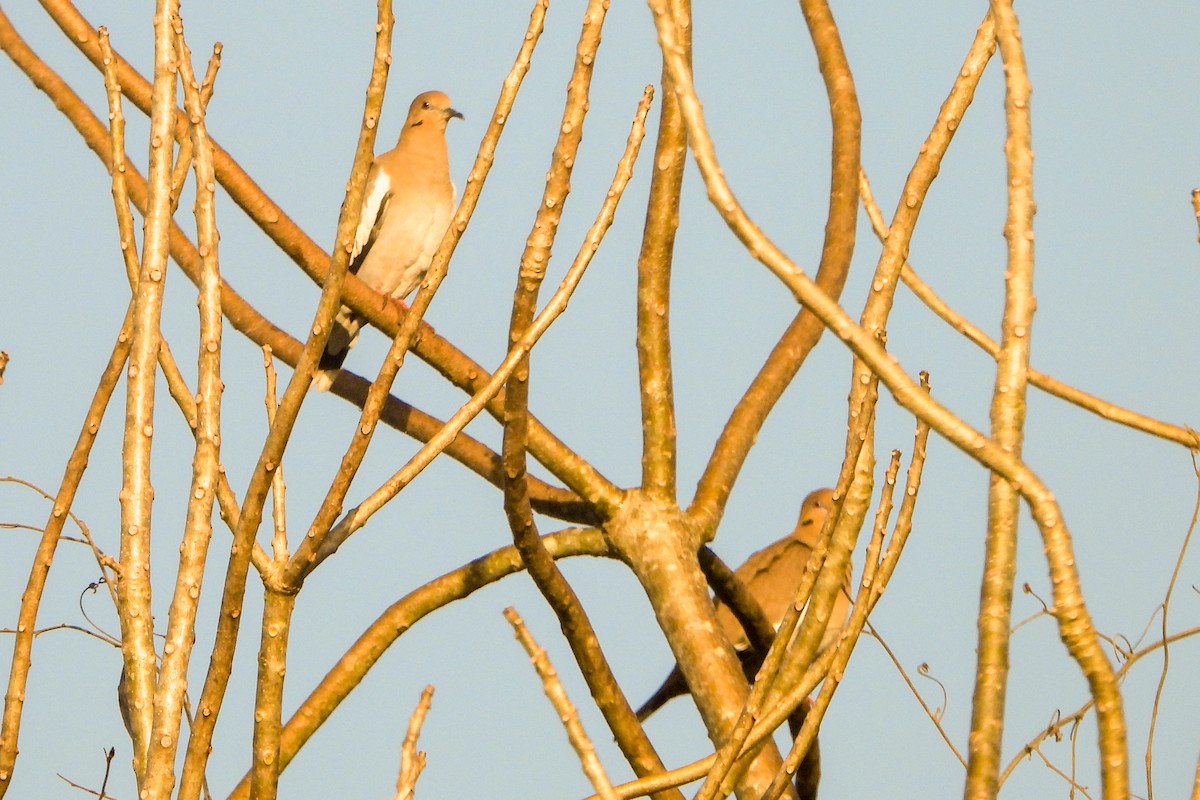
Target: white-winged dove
[(772, 575), (406, 209)]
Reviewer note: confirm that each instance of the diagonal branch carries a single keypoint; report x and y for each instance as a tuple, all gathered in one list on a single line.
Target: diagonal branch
[(741, 431), (451, 363), (561, 503), (377, 395), (402, 615)]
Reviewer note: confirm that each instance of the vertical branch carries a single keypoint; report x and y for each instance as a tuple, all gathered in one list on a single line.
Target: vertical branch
[(221, 661), (1008, 418), (268, 697), (654, 281), (537, 559), (197, 533), (574, 622), (137, 494)]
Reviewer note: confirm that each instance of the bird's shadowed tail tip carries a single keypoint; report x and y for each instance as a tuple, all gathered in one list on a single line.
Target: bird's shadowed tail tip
[(323, 379)]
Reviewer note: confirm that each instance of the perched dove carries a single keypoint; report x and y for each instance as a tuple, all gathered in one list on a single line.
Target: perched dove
[(772, 576), (408, 204)]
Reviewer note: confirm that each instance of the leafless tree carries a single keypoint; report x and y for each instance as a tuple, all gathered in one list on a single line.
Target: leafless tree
[(661, 539)]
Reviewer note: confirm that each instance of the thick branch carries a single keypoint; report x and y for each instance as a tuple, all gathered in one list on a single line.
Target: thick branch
[(268, 696), (1075, 624)]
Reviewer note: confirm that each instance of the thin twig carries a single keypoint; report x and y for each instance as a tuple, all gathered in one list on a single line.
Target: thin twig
[(1166, 606), (109, 567), (279, 540), (229, 621), (103, 793), (934, 717), (567, 714), (315, 542), (1054, 728), (412, 760)]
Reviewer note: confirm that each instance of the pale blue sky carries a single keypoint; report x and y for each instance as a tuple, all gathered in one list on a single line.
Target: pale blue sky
[(1115, 113)]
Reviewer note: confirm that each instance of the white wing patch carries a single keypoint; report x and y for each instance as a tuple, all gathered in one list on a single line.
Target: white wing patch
[(378, 187)]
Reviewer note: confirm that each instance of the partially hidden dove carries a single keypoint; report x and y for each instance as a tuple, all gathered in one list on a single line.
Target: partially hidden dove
[(772, 575)]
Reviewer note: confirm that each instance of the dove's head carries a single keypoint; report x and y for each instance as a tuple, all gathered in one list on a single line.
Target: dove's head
[(431, 109), (812, 514)]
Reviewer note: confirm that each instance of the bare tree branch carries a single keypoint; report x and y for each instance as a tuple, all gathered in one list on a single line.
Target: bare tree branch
[(406, 612), (220, 664), (563, 706)]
